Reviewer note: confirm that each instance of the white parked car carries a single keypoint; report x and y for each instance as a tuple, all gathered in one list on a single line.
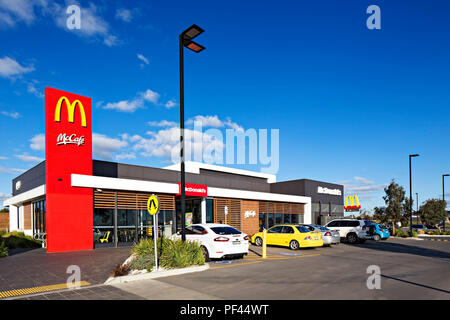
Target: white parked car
[(352, 230), (217, 240)]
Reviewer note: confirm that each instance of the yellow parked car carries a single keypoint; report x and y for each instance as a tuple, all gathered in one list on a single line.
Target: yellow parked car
[(289, 235)]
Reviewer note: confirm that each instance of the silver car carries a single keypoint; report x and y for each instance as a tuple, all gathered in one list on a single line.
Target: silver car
[(329, 237)]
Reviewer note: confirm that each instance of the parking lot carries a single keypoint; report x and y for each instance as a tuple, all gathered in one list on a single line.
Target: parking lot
[(410, 269)]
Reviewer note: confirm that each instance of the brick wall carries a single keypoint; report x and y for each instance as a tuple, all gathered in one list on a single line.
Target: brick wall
[(4, 221), (250, 224)]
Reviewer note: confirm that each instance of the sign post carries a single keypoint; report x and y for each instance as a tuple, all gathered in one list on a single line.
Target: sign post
[(225, 209), (153, 209)]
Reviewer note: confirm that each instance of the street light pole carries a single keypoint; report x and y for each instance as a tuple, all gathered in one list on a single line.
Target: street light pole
[(182, 187), (410, 192), (185, 40), (443, 195)]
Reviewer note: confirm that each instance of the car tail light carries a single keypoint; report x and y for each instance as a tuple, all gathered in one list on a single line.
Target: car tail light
[(308, 238), (221, 239), (246, 238), (328, 233)]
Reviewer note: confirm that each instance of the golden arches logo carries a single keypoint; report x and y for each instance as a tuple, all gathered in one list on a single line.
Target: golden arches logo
[(354, 203), (70, 110)]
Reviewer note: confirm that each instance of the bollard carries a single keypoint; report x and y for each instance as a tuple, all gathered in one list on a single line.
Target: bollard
[(264, 244)]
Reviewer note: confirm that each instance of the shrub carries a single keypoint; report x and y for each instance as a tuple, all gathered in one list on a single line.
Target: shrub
[(179, 254), (120, 270), (171, 254), (412, 233), (401, 233), (15, 239), (145, 262), (144, 247), (3, 249)]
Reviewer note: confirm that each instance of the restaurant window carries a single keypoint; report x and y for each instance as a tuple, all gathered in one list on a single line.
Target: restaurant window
[(271, 220), (209, 210), (278, 218), (39, 221)]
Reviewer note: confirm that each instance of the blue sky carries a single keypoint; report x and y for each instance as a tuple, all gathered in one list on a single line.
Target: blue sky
[(350, 103)]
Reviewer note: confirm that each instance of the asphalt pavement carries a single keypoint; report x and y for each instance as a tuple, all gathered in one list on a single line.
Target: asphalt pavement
[(410, 269)]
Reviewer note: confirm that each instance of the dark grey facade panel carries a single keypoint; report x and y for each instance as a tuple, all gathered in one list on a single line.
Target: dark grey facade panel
[(303, 187), (30, 179), (309, 188), (207, 177), (104, 168)]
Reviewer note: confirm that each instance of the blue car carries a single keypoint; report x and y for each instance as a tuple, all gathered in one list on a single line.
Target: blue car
[(377, 231)]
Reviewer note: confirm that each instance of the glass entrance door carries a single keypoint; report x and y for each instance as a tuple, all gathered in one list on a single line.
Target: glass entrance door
[(194, 206)]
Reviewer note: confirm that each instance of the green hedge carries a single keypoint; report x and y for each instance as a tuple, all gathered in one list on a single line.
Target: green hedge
[(3, 249), (405, 234), (15, 239), (172, 254)]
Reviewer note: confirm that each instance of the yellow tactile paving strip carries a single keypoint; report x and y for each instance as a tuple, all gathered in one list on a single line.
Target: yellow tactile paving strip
[(33, 290)]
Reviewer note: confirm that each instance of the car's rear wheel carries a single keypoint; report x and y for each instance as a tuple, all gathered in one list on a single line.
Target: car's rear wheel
[(352, 238), (258, 241), (206, 254), (377, 237), (293, 245)]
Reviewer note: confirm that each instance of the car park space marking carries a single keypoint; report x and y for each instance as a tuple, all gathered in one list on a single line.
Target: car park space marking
[(33, 290), (257, 260)]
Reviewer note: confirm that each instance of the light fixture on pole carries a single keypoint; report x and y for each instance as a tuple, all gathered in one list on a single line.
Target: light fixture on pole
[(410, 192), (185, 40)]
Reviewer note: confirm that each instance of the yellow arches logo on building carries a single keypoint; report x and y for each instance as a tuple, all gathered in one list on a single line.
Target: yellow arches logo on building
[(354, 203), (70, 110)]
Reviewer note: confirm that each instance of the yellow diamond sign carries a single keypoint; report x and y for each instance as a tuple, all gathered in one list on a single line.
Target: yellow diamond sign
[(153, 204)]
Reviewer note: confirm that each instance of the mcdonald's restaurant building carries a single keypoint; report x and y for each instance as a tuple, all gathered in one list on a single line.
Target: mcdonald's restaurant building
[(79, 203)]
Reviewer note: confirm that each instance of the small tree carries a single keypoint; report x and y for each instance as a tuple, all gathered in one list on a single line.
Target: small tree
[(379, 213), (433, 211), (395, 202)]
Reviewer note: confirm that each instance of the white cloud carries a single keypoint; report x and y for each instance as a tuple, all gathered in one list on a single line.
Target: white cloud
[(143, 59), (11, 170), (13, 11), (362, 185), (125, 105), (135, 103), (124, 15), (10, 68), (38, 142), (28, 158), (3, 158), (233, 125), (14, 115), (32, 89), (3, 197), (93, 26), (125, 156), (206, 121), (214, 122), (170, 104), (132, 139), (151, 96), (104, 147), (163, 123), (165, 144), (363, 180)]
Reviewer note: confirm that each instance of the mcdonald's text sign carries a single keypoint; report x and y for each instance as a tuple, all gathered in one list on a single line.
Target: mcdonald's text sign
[(68, 149)]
